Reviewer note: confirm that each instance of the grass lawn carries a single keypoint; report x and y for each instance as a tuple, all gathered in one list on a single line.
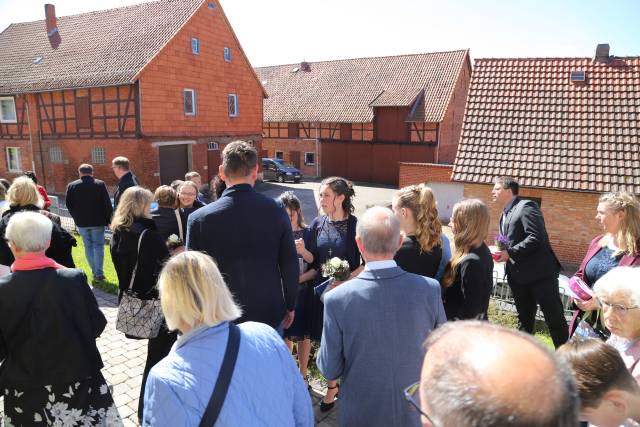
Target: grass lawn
[(110, 284)]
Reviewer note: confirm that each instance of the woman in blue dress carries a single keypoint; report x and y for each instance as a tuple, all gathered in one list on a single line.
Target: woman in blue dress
[(300, 330), (335, 235)]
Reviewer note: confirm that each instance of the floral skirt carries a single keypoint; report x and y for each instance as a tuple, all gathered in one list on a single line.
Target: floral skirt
[(86, 402)]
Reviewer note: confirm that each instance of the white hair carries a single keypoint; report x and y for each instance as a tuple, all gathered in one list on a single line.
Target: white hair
[(618, 280), (29, 231), (379, 230)]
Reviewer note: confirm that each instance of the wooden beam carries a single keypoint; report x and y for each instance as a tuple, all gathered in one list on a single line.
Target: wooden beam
[(104, 113)]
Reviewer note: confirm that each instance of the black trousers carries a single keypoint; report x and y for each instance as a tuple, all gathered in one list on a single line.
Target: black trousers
[(546, 294), (157, 349)]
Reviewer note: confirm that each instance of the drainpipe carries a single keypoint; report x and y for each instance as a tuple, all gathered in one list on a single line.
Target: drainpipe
[(317, 154), (33, 162)]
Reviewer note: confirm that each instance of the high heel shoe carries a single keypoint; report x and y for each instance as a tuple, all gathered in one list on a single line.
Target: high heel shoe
[(326, 407)]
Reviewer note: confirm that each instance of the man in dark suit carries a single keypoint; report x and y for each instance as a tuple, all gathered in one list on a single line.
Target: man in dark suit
[(374, 329), (249, 235), (121, 169), (88, 202), (531, 265)]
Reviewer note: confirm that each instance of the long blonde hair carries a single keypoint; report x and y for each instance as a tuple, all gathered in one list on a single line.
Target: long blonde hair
[(421, 202), (131, 206), (471, 223), (629, 232), (24, 192)]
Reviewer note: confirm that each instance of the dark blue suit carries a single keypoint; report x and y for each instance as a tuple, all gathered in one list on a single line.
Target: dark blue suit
[(249, 235)]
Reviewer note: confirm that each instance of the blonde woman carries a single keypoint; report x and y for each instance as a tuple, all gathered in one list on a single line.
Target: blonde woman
[(265, 387), (468, 278), (425, 249), (619, 216), (23, 196), (133, 228)]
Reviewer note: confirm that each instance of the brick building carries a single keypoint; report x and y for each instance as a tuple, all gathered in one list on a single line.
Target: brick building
[(567, 128), (359, 118), (164, 83)]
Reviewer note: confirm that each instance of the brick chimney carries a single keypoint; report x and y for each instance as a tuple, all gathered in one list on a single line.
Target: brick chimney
[(602, 53), (305, 66), (52, 25)]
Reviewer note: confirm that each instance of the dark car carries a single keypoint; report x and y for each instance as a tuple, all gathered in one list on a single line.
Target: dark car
[(278, 170)]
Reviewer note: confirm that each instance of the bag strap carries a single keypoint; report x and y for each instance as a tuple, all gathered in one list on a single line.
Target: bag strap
[(133, 275), (224, 378), (177, 212)]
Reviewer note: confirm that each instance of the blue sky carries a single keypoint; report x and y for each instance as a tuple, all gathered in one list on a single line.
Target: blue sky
[(287, 31)]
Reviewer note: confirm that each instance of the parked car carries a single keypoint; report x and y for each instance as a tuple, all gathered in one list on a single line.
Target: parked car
[(278, 170)]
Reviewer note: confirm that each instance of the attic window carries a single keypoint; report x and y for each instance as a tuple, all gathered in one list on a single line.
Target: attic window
[(227, 54), (195, 46), (211, 6), (577, 76)]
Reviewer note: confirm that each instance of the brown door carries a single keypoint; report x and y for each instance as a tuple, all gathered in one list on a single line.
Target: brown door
[(262, 154), (294, 158), (174, 162), (213, 161)]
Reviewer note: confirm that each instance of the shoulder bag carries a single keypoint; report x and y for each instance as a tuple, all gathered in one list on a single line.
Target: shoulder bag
[(140, 318)]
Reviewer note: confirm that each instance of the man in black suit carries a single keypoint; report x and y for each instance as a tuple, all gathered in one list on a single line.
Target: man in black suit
[(531, 265), (121, 169), (88, 202), (249, 235)]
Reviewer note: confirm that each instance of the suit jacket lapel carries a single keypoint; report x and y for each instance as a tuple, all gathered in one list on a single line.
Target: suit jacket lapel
[(507, 220)]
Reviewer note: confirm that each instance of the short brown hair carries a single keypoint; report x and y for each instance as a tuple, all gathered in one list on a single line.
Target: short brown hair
[(189, 175), (165, 196), (598, 368), (507, 182), (121, 162), (85, 168), (239, 158)]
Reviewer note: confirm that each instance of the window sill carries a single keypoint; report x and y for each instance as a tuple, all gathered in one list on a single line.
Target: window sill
[(8, 121)]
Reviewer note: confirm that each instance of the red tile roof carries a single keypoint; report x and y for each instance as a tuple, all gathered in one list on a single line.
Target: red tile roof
[(100, 48), (525, 118), (342, 91)]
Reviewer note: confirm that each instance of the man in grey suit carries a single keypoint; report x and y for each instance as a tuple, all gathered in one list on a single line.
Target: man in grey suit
[(374, 328)]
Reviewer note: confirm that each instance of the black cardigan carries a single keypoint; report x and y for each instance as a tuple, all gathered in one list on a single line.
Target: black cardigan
[(49, 320), (153, 253), (411, 258)]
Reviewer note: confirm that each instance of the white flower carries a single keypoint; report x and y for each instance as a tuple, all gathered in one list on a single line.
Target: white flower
[(345, 264), (104, 389), (59, 410), (335, 262), (173, 239)]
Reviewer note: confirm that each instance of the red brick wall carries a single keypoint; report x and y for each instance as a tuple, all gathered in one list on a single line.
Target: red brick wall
[(288, 145), (175, 68), (416, 173), (569, 217), (451, 125)]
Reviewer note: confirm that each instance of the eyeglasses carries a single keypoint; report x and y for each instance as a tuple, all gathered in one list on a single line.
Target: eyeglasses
[(411, 395), (615, 307)]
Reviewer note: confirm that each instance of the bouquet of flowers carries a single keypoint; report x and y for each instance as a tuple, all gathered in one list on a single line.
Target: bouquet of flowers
[(174, 242), (336, 268)]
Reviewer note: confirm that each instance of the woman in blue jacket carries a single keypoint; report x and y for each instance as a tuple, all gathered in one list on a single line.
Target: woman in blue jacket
[(265, 386)]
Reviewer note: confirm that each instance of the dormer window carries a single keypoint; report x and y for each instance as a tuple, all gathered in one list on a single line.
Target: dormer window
[(195, 46)]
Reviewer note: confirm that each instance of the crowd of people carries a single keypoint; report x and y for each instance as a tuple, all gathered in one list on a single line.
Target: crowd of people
[(242, 279)]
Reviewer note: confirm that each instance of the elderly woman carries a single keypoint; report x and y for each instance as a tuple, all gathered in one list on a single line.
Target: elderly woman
[(49, 322), (23, 196), (136, 240), (265, 387), (618, 293), (619, 245)]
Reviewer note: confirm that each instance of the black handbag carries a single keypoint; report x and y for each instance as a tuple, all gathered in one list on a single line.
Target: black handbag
[(224, 378)]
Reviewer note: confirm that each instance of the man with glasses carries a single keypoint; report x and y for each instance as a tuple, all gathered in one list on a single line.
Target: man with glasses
[(476, 374), (374, 329)]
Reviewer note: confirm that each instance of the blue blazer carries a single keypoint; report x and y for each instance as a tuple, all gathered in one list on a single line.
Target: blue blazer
[(249, 235), (375, 326)]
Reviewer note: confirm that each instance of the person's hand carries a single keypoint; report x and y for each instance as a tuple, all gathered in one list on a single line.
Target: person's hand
[(335, 283), (589, 305), (288, 319), (504, 256), (300, 248)]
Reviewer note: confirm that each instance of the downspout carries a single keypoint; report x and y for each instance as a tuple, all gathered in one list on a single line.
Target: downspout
[(317, 154), (437, 157), (33, 162)]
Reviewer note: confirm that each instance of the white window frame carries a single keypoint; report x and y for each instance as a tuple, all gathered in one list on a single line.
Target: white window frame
[(195, 45), (56, 155), (194, 101), (233, 96), (15, 112), (19, 159), (98, 156), (226, 53), (281, 155), (305, 158)]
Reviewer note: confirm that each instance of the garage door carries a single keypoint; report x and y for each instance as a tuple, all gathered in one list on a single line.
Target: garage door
[(447, 195)]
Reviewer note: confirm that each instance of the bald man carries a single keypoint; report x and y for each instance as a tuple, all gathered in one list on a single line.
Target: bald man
[(374, 328), (476, 374)]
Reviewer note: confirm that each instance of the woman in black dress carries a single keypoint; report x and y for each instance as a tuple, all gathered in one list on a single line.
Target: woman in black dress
[(133, 227), (335, 234), (421, 250), (300, 329), (468, 279)]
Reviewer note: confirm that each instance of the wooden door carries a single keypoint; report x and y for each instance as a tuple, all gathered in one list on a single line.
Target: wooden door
[(294, 158), (213, 160), (174, 162)]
